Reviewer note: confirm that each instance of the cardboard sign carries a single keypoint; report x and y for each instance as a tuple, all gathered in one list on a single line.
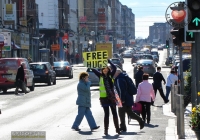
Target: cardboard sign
[(95, 59)]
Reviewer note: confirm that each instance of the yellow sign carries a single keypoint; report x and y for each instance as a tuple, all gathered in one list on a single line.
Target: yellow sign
[(95, 59), (105, 46)]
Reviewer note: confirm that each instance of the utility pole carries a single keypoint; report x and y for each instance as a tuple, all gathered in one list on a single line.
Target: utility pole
[(197, 42)]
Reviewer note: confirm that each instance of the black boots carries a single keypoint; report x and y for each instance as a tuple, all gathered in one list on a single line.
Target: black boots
[(116, 123), (106, 124)]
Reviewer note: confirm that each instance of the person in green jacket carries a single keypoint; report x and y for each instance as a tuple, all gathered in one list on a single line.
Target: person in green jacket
[(107, 95), (84, 103)]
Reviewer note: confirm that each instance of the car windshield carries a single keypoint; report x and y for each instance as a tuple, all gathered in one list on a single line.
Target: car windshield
[(115, 60), (147, 57), (144, 63), (58, 64), (154, 53), (38, 66)]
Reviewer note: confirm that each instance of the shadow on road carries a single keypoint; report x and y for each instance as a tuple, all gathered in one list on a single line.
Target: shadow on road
[(43, 85), (151, 125), (7, 93), (116, 137), (85, 132)]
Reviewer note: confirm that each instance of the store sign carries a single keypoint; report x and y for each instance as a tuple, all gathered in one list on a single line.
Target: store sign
[(9, 12), (7, 41), (1, 40)]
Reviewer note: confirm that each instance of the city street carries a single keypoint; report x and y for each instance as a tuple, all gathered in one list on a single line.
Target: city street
[(53, 109)]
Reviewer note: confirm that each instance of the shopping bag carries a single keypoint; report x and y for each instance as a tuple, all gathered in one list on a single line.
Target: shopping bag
[(118, 100), (137, 107)]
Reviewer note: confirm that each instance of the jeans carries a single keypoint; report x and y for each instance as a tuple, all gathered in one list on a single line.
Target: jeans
[(84, 111), (168, 89), (128, 110)]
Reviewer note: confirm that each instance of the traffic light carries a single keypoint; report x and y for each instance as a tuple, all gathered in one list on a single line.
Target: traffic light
[(194, 6), (64, 46), (167, 44), (178, 36), (189, 37)]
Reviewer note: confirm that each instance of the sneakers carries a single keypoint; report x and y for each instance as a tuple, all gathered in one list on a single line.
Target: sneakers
[(123, 129), (97, 127)]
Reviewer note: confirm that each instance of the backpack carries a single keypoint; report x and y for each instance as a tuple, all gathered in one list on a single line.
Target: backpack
[(131, 89)]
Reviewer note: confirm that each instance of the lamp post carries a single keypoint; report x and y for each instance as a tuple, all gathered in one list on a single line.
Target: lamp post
[(32, 50), (92, 33)]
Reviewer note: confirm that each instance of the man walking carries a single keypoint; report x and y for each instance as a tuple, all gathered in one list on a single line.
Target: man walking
[(20, 78), (127, 101), (157, 84), (170, 80), (138, 76)]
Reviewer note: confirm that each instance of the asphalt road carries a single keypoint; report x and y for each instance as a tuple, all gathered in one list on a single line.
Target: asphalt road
[(53, 109)]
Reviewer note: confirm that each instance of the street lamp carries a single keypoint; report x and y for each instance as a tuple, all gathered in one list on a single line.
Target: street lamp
[(36, 38), (92, 33)]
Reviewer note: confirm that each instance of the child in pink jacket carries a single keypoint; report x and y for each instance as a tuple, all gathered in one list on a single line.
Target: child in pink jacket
[(145, 94)]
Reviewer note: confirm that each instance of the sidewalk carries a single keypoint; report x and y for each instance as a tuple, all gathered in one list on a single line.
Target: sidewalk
[(171, 130)]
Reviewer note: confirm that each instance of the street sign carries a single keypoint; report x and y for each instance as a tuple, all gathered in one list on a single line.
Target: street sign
[(1, 40), (189, 37)]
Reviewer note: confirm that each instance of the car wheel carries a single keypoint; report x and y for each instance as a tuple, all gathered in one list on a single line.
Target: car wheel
[(32, 87), (54, 82), (71, 76), (4, 90), (49, 82)]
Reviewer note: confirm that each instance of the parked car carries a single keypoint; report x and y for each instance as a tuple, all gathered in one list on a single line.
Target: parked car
[(149, 66), (116, 55), (43, 72), (63, 69), (93, 78), (116, 61), (8, 69)]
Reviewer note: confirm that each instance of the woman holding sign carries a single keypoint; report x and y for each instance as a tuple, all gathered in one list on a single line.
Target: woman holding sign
[(107, 95)]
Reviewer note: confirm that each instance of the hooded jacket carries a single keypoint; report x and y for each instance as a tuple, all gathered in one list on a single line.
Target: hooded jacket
[(121, 87)]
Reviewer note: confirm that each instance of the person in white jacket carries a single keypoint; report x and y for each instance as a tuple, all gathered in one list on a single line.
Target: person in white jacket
[(171, 79)]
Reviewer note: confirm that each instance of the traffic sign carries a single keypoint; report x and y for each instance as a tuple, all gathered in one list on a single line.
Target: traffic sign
[(65, 38), (189, 37)]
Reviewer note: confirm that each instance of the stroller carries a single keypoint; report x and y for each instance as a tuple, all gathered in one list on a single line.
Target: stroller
[(137, 108)]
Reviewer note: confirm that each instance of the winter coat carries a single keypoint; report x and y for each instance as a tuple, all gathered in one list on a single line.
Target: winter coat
[(138, 77), (84, 94), (121, 87), (20, 74), (145, 92)]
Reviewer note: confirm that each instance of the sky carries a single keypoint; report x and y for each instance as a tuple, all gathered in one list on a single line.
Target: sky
[(146, 13)]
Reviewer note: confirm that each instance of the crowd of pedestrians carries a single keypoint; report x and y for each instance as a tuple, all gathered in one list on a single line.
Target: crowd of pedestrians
[(112, 81)]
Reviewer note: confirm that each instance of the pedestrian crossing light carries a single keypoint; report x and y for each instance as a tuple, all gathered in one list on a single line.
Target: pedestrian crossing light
[(194, 6), (167, 44), (64, 46)]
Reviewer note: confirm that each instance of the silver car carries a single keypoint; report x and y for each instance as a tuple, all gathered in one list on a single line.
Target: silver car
[(93, 78), (148, 65), (127, 54)]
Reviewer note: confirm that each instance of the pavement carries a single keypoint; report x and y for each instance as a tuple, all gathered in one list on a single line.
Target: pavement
[(171, 129)]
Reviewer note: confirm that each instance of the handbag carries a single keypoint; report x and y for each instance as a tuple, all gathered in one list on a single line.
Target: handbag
[(137, 107), (118, 100)]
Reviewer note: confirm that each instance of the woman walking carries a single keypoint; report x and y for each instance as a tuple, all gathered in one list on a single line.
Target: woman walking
[(107, 96), (145, 94), (84, 103)]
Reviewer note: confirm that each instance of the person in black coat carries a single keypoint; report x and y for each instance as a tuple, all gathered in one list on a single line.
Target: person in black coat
[(157, 84), (20, 79), (126, 99), (138, 76)]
